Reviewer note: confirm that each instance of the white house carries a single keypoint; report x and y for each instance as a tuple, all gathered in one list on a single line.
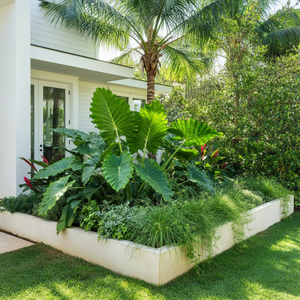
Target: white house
[(47, 76)]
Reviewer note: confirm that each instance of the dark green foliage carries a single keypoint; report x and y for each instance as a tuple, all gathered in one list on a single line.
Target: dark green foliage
[(183, 220), (255, 103), (22, 203), (52, 214), (115, 172)]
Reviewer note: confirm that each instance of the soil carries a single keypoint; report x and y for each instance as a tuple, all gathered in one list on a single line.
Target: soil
[(296, 208)]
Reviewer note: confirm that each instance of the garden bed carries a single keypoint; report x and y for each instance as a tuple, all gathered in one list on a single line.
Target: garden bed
[(157, 266)]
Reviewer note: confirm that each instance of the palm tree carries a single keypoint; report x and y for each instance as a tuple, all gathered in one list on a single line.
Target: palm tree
[(279, 31), (248, 24), (173, 31)]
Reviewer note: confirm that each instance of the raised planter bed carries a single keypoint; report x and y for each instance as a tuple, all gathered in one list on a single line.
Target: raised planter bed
[(157, 266)]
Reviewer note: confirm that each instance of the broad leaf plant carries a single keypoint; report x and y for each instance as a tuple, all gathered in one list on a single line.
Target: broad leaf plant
[(114, 165)]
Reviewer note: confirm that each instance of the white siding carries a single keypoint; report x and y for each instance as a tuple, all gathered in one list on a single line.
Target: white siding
[(85, 94), (48, 35)]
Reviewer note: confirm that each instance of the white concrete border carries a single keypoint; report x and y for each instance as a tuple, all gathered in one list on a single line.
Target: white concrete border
[(157, 266)]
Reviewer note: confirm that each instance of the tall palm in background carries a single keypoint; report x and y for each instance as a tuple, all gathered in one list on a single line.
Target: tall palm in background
[(279, 30), (174, 31), (249, 24)]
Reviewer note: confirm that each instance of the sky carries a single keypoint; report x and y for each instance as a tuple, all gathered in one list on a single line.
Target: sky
[(107, 54)]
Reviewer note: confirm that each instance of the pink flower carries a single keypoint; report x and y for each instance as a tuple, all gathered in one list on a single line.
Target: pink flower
[(27, 181), (45, 160)]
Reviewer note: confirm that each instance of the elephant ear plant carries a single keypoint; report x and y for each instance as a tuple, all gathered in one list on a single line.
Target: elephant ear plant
[(118, 169)]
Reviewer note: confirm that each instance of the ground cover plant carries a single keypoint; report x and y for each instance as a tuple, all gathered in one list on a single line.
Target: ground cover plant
[(265, 267)]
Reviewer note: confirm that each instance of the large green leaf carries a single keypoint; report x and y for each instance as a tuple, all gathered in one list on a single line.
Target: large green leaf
[(117, 170), (54, 191), (67, 216), (107, 151), (56, 168), (89, 191), (39, 163), (112, 115), (77, 165), (89, 167), (187, 154), (153, 174), (199, 177), (152, 122), (193, 132)]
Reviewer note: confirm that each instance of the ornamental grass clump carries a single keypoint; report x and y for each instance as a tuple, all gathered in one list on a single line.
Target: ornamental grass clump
[(180, 222)]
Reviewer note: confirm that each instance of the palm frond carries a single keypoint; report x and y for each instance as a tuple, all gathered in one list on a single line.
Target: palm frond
[(126, 58), (181, 63), (264, 8), (96, 19), (205, 19), (280, 19), (282, 40)]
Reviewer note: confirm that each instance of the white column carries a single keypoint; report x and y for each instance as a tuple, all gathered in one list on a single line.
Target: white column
[(14, 94)]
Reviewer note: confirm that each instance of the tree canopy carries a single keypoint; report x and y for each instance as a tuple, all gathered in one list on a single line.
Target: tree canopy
[(174, 31)]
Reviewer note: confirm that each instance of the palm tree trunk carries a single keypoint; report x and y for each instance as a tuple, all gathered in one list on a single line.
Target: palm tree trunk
[(150, 86)]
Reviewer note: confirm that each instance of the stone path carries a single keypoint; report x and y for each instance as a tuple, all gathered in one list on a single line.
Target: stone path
[(10, 243)]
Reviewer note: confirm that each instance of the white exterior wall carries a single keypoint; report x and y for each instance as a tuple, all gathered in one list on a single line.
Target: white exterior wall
[(56, 37), (14, 94), (85, 94)]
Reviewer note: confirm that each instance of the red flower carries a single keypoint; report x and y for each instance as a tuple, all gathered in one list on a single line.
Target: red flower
[(45, 160), (224, 165), (216, 154), (202, 149), (30, 164), (28, 182)]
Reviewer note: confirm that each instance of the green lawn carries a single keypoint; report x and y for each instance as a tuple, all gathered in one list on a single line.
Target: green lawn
[(266, 267)]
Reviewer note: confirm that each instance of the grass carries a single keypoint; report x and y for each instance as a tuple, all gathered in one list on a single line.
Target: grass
[(185, 219), (266, 267)]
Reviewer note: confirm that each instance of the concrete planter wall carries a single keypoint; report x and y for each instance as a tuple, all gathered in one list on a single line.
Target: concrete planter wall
[(157, 266)]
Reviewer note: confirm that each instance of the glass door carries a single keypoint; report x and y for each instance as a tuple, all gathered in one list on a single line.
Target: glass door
[(52, 112)]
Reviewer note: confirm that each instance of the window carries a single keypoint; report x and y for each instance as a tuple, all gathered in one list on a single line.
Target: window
[(138, 104)]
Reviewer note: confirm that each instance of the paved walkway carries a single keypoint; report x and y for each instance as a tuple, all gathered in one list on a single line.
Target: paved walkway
[(10, 243)]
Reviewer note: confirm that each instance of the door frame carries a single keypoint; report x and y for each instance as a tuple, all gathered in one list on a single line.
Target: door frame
[(38, 114)]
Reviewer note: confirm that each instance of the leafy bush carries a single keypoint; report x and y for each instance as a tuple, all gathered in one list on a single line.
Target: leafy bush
[(52, 214), (183, 220), (256, 105), (22, 203), (113, 166)]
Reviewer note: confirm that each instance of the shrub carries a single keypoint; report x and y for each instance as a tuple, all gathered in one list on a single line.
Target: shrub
[(183, 220), (105, 168), (22, 203)]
